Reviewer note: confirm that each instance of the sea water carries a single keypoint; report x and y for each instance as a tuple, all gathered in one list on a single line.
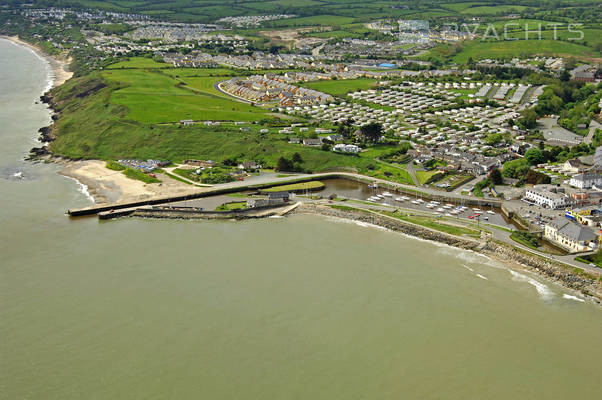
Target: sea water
[(301, 307)]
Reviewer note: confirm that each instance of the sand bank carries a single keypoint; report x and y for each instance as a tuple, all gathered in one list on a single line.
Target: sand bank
[(108, 186)]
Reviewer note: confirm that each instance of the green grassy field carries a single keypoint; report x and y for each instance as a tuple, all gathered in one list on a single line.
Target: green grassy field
[(297, 187), (520, 48), (92, 126), (139, 62), (152, 97), (491, 10), (315, 20), (235, 205), (591, 37), (435, 224), (424, 176), (341, 87)]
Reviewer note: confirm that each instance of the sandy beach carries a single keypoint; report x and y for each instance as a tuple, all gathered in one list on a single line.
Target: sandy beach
[(60, 66), (108, 186)]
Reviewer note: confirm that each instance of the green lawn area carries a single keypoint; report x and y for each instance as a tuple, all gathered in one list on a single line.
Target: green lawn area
[(478, 49), (342, 86), (152, 97), (236, 205), (139, 175), (315, 20), (525, 239), (433, 224), (595, 259), (199, 72), (131, 172), (490, 10), (297, 187), (139, 62), (459, 7), (591, 36), (424, 176), (463, 92), (117, 114)]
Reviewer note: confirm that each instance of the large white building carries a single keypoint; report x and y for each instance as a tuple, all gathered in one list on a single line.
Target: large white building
[(547, 196), (586, 180), (570, 235)]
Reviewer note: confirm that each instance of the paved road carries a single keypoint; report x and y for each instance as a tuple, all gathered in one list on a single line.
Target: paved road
[(593, 125)]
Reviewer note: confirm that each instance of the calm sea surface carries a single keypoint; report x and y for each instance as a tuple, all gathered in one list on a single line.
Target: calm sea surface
[(294, 308)]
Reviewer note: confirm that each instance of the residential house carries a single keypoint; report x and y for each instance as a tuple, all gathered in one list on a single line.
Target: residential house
[(249, 166), (586, 180), (346, 148), (573, 166)]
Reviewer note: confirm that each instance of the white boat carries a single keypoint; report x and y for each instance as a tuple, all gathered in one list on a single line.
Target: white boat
[(448, 215), (435, 202), (399, 199), (415, 202), (440, 209), (490, 212), (449, 204), (430, 206), (387, 194)]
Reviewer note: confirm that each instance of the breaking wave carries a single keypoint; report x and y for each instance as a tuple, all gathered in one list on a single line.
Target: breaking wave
[(571, 297), (543, 291)]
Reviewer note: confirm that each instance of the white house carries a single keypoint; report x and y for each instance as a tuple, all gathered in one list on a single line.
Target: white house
[(573, 166), (346, 148), (586, 180), (570, 235), (547, 196)]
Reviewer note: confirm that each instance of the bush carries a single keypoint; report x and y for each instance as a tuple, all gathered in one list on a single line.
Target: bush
[(525, 238), (535, 177), (115, 166)]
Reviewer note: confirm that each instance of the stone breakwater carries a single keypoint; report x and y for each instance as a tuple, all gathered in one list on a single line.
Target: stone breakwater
[(557, 272)]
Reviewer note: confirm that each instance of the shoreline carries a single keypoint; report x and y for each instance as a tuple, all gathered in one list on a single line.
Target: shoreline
[(106, 186), (59, 67), (551, 271)]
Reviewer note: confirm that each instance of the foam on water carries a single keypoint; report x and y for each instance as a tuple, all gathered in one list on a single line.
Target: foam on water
[(464, 255), (83, 189), (543, 291), (571, 297)]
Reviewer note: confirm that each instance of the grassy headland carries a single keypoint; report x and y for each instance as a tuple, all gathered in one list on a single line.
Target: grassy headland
[(134, 113)]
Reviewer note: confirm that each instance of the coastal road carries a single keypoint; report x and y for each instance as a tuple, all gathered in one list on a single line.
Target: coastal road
[(499, 230)]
